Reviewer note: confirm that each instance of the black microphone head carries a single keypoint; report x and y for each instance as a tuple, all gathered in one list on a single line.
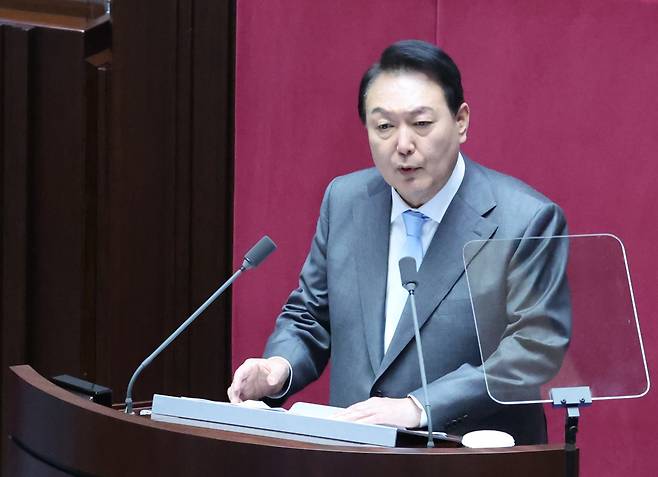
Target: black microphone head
[(408, 273), (259, 252)]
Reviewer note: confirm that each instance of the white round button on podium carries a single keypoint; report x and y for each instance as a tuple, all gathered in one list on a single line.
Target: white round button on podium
[(487, 439)]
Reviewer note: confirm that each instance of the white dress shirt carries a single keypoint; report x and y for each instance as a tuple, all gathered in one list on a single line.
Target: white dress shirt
[(435, 208)]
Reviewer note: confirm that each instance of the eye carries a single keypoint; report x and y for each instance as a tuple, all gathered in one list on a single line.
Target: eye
[(422, 124), (384, 126)]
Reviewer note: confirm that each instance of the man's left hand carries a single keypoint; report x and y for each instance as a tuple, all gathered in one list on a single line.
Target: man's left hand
[(388, 411)]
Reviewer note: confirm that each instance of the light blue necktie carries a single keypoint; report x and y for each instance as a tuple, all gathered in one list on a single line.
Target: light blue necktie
[(413, 246)]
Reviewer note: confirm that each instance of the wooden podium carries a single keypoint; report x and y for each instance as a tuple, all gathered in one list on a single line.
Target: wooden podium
[(53, 432)]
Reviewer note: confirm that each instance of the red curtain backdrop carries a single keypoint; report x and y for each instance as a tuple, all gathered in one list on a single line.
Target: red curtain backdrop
[(298, 68), (561, 94)]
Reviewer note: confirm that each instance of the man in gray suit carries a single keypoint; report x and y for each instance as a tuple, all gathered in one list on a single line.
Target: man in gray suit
[(350, 306)]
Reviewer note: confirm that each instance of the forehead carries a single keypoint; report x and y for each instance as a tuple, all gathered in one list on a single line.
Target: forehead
[(404, 91)]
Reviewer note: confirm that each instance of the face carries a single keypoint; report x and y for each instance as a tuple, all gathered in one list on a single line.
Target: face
[(414, 137)]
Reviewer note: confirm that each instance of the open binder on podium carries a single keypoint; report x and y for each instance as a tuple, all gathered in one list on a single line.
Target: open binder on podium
[(304, 421)]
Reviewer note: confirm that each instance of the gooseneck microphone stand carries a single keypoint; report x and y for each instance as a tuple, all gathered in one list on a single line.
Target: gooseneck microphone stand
[(409, 277), (252, 258)]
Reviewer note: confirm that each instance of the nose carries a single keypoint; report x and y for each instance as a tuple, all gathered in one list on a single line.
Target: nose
[(405, 145)]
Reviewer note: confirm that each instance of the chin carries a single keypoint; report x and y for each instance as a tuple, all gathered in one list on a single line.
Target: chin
[(410, 198)]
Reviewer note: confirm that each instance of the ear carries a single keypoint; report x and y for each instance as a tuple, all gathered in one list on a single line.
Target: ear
[(462, 119)]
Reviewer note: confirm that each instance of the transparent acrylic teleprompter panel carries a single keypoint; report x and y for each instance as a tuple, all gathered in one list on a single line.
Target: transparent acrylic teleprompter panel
[(554, 312)]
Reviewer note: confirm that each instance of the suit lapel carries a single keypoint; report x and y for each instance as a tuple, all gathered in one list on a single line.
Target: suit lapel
[(443, 265), (372, 217)]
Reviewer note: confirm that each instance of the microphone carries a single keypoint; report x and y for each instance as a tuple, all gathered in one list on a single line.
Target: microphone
[(408, 273), (409, 277), (259, 252)]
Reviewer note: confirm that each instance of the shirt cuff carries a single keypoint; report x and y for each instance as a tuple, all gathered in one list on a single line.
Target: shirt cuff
[(286, 385), (423, 414)]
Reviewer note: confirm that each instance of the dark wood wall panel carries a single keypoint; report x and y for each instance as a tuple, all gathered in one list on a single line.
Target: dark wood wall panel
[(15, 153), (117, 190), (170, 191), (143, 192), (94, 345), (57, 196), (45, 192), (212, 194), (15, 156)]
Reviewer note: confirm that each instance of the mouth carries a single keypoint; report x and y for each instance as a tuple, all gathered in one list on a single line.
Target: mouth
[(407, 170)]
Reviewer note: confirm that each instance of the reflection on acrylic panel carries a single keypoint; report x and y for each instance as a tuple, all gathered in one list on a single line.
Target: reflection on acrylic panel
[(555, 312)]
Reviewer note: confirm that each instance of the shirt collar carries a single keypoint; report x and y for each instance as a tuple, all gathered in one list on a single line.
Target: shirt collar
[(436, 207)]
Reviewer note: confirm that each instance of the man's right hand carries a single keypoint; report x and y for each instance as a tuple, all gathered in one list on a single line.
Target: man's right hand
[(257, 378)]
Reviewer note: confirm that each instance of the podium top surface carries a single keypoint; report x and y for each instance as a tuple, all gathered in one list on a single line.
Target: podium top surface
[(63, 430)]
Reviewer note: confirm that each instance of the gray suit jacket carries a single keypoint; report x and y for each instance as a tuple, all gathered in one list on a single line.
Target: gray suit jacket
[(337, 312)]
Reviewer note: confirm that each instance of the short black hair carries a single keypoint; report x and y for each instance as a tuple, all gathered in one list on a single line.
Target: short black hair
[(418, 56)]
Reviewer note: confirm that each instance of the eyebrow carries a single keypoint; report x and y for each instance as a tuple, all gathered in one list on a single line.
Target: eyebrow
[(418, 110)]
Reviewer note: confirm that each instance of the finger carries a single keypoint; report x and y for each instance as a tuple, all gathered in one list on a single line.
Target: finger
[(352, 414), (240, 377), (240, 373), (273, 378), (340, 415), (234, 390), (231, 394), (369, 419), (278, 373), (362, 406), (369, 411)]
